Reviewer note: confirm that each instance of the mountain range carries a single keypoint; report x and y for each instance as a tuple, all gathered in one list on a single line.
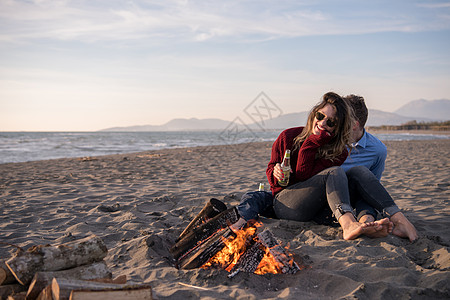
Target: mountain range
[(418, 110)]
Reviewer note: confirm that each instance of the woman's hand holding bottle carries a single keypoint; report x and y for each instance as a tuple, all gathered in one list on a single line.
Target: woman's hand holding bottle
[(277, 172)]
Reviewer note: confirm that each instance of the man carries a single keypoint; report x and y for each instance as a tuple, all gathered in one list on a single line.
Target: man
[(369, 152)]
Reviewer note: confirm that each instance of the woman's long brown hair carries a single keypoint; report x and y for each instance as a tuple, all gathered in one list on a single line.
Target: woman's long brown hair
[(342, 132)]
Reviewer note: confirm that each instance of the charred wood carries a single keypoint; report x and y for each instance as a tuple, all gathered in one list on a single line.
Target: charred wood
[(204, 231), (251, 258), (205, 251), (211, 209)]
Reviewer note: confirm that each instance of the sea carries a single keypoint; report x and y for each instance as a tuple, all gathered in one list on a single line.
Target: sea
[(32, 146)]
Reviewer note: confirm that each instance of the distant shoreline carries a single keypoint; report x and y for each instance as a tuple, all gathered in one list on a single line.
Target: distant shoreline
[(410, 131)]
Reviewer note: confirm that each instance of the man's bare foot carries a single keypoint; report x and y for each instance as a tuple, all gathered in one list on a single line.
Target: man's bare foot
[(352, 228), (403, 228), (380, 228)]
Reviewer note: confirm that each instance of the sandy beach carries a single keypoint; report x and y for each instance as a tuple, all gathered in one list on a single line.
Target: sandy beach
[(139, 203)]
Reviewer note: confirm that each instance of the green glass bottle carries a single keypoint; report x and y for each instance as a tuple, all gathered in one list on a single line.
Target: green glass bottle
[(286, 168)]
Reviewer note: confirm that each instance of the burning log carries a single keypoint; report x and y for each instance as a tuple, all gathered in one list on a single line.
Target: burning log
[(250, 260), (211, 209), (53, 258), (204, 231), (203, 252), (258, 254), (86, 272), (285, 263), (214, 244)]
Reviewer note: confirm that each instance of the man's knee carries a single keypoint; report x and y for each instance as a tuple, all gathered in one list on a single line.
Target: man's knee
[(358, 171)]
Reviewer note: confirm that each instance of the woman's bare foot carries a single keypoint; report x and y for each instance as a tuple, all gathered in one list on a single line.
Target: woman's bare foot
[(238, 225), (380, 228), (403, 228), (352, 228)]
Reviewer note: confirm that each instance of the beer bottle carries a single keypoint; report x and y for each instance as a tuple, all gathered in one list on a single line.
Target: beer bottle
[(286, 168), (261, 187)]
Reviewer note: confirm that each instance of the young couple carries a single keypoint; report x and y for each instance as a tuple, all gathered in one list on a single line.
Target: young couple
[(335, 167)]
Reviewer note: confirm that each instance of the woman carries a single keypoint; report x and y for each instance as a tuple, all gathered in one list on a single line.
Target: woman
[(316, 180)]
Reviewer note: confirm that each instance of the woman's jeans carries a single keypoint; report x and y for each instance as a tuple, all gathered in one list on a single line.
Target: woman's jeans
[(330, 191), (304, 200)]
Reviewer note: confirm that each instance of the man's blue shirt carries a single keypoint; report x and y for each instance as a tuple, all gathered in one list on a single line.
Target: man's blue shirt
[(370, 152)]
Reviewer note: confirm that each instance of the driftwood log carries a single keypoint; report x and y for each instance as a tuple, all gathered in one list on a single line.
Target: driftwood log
[(40, 280), (17, 296), (6, 277), (122, 279), (54, 258), (9, 289), (204, 231), (46, 294), (62, 288), (132, 293), (211, 209)]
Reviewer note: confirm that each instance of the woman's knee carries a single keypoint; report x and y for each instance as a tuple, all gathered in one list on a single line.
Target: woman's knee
[(337, 176), (284, 211), (336, 170)]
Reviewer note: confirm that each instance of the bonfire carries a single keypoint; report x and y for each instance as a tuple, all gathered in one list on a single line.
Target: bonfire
[(209, 242)]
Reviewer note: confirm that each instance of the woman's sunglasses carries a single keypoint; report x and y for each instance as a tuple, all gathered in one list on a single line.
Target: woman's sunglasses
[(320, 116)]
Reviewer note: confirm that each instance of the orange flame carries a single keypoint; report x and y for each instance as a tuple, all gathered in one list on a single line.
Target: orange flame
[(234, 248), (268, 264)]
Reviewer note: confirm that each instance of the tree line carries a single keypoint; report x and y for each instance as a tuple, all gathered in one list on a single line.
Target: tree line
[(414, 125)]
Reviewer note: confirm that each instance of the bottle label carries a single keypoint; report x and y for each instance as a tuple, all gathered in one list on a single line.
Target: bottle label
[(285, 180)]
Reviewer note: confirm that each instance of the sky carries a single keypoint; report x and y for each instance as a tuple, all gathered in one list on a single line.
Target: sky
[(86, 65)]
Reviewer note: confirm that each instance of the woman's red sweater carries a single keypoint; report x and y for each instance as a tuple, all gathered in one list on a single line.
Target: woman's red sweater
[(304, 163)]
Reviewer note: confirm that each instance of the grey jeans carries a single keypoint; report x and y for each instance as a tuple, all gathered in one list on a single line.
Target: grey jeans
[(365, 188), (303, 200)]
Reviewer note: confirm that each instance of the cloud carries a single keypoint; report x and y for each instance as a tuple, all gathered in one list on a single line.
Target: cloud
[(91, 21), (434, 5)]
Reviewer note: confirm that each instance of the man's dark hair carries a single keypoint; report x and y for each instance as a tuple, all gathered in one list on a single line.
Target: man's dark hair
[(359, 107)]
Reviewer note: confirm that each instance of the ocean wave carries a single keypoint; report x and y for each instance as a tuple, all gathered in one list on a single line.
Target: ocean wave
[(29, 146)]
